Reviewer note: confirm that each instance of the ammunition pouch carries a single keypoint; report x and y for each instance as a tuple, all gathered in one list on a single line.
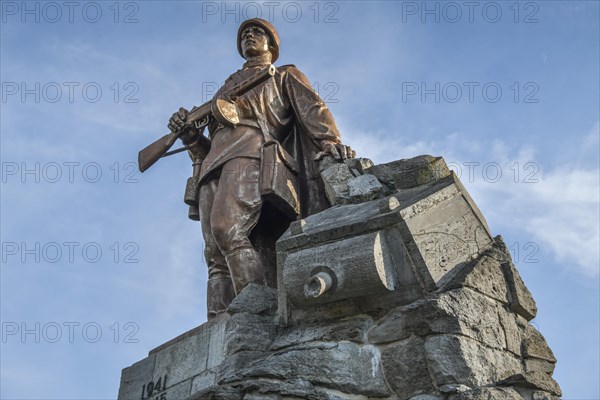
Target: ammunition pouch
[(279, 179), (191, 191), (191, 198)]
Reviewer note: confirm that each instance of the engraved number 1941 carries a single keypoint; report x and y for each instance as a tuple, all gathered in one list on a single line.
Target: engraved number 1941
[(155, 388)]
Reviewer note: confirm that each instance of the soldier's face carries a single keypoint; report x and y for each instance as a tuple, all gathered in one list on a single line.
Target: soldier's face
[(255, 41)]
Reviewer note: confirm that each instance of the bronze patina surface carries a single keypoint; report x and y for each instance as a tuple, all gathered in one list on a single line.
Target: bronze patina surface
[(258, 168)]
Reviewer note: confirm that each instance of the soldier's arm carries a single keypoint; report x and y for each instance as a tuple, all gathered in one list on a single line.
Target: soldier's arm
[(198, 145), (313, 115)]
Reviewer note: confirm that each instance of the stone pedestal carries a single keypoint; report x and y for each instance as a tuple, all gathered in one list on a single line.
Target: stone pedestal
[(397, 292)]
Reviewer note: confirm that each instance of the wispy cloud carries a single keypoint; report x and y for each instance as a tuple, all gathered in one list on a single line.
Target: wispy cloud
[(556, 205)]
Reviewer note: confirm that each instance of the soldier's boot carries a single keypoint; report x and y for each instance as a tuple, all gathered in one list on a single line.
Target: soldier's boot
[(245, 267), (219, 294)]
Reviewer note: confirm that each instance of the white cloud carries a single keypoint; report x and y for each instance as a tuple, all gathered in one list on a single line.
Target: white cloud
[(557, 206), (560, 211)]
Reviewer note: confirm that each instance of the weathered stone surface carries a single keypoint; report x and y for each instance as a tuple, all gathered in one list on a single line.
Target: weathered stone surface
[(436, 228), (288, 389), (255, 299), (184, 359), (420, 171), (218, 393), (483, 274), (338, 223), (133, 377), (261, 397), (520, 298), (390, 328), (359, 164), (442, 231), (534, 344), (364, 188), (351, 329), (454, 388), (327, 162), (512, 332), (448, 313), (248, 332), (180, 391), (330, 394), (537, 365), (488, 393), (536, 395), (425, 397), (451, 316), (343, 366), (335, 180), (460, 311), (533, 380), (261, 389), (405, 368), (408, 173), (357, 266), (203, 381), (459, 359), (216, 346)]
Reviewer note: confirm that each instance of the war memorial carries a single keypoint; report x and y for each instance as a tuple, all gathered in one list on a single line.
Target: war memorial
[(331, 277)]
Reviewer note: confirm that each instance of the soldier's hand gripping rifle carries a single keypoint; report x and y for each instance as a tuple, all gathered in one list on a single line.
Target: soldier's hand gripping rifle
[(223, 109)]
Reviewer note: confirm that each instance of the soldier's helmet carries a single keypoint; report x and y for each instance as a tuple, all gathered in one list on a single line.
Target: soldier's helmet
[(271, 32)]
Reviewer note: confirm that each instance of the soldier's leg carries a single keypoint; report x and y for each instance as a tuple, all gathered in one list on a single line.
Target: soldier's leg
[(235, 212), (219, 291)]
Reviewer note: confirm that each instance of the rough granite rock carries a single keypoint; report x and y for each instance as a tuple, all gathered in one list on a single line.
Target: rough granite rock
[(335, 180), (533, 380), (483, 275), (445, 313), (459, 359), (248, 332), (255, 299), (412, 172), (422, 305), (364, 188), (534, 344), (454, 388), (293, 388), (218, 393), (537, 395), (327, 364), (488, 393), (405, 368), (351, 329), (359, 164), (520, 298)]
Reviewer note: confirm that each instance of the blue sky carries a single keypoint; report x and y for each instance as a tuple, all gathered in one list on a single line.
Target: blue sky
[(506, 92)]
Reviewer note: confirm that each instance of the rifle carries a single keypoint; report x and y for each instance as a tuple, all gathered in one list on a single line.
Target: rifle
[(223, 109)]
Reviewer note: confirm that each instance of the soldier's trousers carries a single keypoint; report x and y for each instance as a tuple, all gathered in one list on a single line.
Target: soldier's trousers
[(230, 205)]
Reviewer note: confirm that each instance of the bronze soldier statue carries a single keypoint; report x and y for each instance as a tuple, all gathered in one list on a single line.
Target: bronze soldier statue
[(240, 224)]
